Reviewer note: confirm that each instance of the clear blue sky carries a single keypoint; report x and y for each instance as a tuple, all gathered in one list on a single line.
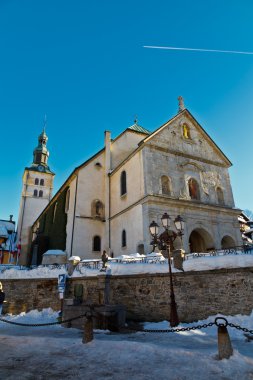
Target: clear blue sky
[(82, 63)]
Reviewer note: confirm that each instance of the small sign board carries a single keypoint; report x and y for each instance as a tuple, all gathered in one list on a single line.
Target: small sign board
[(61, 283)]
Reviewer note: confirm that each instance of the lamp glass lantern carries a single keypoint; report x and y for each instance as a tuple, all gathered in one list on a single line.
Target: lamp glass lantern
[(166, 221), (179, 223), (153, 228)]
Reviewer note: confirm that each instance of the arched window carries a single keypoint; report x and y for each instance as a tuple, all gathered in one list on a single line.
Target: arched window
[(67, 201), (123, 239), (165, 181), (96, 243), (36, 181), (186, 131), (123, 187), (220, 196), (193, 189), (35, 193), (40, 193), (42, 182)]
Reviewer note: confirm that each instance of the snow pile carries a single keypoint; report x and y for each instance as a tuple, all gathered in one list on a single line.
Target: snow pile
[(54, 352), (40, 272), (218, 262), (114, 268), (54, 252), (34, 316)]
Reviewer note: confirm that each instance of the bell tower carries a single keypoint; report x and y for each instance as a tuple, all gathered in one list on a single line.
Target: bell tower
[(36, 193)]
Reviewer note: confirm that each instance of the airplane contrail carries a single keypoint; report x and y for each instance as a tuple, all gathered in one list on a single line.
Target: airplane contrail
[(205, 50)]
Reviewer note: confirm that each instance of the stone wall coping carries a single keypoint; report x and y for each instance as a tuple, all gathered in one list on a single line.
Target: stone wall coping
[(137, 275), (188, 273), (33, 279)]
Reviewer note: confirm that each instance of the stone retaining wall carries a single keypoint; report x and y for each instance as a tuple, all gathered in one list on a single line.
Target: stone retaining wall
[(146, 296)]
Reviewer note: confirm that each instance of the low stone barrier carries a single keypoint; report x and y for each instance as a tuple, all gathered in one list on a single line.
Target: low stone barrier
[(145, 296)]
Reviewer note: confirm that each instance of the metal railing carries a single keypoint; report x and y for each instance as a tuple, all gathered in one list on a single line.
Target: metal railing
[(240, 249)]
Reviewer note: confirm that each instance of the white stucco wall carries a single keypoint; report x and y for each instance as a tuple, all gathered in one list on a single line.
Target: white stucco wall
[(90, 186), (82, 227), (85, 230), (123, 146), (132, 222), (135, 184)]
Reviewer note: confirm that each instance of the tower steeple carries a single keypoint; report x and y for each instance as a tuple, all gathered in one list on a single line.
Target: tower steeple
[(41, 153)]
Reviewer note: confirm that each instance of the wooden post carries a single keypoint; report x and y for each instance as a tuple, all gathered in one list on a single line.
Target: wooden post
[(225, 349), (88, 329)]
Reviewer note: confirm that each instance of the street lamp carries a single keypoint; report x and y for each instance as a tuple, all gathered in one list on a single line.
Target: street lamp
[(165, 240), (73, 261)]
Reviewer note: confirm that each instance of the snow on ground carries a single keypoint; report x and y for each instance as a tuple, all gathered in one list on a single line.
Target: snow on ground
[(193, 264), (54, 352)]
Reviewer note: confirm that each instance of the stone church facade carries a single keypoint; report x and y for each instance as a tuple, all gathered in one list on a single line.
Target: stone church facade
[(111, 199)]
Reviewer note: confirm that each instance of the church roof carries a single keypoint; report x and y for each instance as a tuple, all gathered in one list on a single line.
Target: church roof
[(138, 128), (35, 168)]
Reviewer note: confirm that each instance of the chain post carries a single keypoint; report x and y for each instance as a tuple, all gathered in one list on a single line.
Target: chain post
[(225, 349), (88, 328)]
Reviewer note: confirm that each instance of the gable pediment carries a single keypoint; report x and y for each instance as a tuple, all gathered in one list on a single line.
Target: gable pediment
[(183, 135)]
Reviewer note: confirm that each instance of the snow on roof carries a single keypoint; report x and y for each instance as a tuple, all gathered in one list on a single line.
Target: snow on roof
[(3, 232), (248, 231), (154, 254), (136, 255), (74, 258), (7, 230), (54, 252), (10, 226)]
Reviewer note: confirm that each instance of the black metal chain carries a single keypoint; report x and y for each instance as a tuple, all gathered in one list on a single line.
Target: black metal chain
[(198, 327), (244, 329), (173, 330), (43, 324)]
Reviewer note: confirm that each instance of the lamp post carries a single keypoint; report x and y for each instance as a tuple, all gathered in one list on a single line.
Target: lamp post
[(35, 247), (165, 240)]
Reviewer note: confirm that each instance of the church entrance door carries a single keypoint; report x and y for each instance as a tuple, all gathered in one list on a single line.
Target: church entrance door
[(227, 242), (200, 241)]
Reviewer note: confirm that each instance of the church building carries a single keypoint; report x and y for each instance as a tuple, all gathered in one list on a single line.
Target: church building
[(109, 201), (36, 194)]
